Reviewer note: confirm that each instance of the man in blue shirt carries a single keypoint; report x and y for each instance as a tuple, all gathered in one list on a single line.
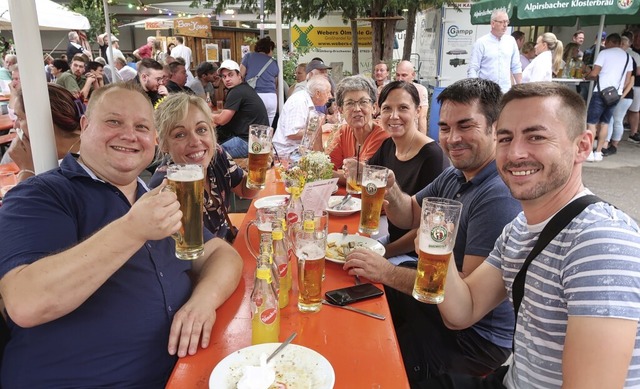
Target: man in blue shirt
[(94, 294), (469, 109)]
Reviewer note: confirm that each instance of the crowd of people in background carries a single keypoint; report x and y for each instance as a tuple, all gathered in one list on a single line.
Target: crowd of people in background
[(510, 60)]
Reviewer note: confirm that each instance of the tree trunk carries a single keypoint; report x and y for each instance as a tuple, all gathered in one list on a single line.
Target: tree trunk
[(355, 51), (410, 32), (377, 31), (389, 39)]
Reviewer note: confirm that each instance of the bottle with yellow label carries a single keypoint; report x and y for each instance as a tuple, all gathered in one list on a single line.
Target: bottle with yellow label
[(265, 314), (294, 207), (281, 260), (266, 247)]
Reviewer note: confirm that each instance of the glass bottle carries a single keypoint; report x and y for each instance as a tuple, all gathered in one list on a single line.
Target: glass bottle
[(294, 207), (266, 247), (281, 260), (265, 314)]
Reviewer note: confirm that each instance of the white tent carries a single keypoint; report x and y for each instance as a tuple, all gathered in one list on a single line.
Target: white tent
[(51, 16), (26, 18)]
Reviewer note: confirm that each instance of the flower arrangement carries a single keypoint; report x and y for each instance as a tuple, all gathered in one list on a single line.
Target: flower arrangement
[(313, 166)]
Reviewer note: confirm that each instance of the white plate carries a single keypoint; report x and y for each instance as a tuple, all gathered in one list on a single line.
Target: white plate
[(271, 201), (352, 206), (361, 241), (296, 366)]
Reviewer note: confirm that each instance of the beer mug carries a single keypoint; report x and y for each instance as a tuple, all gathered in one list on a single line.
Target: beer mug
[(264, 217), (374, 183), (313, 132), (187, 182), (320, 223), (259, 155), (437, 236), (353, 175), (310, 250)]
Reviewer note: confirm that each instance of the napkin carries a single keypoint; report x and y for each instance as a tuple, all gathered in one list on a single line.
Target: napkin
[(316, 194)]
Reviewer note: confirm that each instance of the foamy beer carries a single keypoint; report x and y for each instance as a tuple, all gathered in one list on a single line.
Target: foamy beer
[(310, 250), (264, 217), (438, 228), (259, 155), (374, 182), (187, 182)]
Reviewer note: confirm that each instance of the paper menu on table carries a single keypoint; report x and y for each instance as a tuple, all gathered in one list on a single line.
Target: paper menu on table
[(316, 194)]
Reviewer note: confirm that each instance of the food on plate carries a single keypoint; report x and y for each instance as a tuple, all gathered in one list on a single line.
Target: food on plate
[(339, 251), (335, 200), (257, 377)]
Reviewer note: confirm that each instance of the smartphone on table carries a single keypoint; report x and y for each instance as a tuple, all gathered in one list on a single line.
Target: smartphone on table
[(352, 294)]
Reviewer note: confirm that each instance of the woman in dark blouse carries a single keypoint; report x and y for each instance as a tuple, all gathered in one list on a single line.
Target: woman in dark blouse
[(415, 159)]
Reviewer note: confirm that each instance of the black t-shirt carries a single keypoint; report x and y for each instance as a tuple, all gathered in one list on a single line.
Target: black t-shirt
[(249, 109), (103, 51), (172, 87), (412, 175)]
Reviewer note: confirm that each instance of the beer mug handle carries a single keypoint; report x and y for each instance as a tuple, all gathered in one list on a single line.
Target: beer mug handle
[(252, 250), (176, 235)]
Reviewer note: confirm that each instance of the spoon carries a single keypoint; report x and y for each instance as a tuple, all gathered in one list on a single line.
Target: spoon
[(282, 346)]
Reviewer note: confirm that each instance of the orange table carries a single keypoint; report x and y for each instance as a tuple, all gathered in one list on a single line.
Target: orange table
[(5, 123), (10, 167), (363, 351)]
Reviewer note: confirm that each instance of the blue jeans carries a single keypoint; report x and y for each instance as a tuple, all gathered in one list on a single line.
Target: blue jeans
[(236, 147), (598, 111)]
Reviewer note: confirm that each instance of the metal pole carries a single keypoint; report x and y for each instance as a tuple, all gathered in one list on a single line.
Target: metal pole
[(107, 24), (26, 33), (280, 54)]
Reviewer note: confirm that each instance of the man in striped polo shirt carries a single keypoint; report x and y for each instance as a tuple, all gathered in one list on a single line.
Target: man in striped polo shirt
[(577, 326)]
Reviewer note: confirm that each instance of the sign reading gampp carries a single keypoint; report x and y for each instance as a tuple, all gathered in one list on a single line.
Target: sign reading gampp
[(325, 37), (535, 9)]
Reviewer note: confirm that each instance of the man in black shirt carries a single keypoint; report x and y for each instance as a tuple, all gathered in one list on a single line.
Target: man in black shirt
[(177, 77), (242, 107)]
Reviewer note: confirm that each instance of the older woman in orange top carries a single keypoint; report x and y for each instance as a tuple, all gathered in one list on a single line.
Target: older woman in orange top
[(356, 100)]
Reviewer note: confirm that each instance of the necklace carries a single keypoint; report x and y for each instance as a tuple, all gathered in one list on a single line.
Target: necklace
[(73, 145), (404, 156)]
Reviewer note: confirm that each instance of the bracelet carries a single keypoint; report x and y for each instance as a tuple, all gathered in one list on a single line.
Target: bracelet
[(26, 171)]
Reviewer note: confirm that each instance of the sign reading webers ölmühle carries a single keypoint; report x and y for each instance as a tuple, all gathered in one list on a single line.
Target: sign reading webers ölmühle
[(198, 27), (311, 36)]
